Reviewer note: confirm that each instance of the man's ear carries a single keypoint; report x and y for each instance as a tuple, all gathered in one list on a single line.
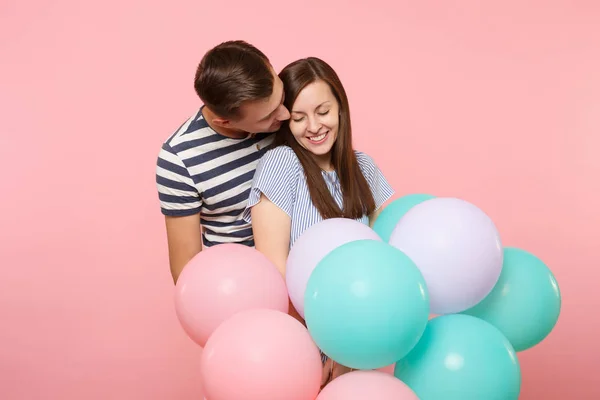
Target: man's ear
[(222, 122)]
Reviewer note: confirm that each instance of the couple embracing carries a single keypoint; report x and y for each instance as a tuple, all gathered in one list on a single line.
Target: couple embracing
[(266, 156)]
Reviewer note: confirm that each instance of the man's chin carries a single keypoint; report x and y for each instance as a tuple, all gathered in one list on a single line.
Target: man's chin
[(274, 128), (271, 129)]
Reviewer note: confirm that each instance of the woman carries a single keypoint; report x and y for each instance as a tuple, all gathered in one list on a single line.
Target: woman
[(312, 172)]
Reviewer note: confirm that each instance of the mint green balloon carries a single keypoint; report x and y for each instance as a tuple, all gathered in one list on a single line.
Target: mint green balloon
[(525, 302), (461, 357), (366, 304), (391, 214)]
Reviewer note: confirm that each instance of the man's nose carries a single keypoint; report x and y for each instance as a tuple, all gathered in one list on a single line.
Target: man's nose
[(283, 114)]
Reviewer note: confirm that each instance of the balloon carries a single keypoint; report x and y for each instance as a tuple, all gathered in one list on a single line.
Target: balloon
[(393, 212), (361, 385), (526, 301), (461, 357), (310, 248), (200, 393), (222, 280), (457, 248), (261, 354), (366, 304)]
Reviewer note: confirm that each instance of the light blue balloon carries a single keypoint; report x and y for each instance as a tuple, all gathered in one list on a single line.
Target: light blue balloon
[(388, 218), (461, 357), (526, 301), (366, 304)]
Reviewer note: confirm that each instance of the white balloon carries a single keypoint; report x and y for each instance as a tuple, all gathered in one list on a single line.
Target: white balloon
[(314, 244), (457, 248)]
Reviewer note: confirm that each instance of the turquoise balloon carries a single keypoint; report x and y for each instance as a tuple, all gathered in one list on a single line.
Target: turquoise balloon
[(366, 304), (391, 214), (525, 302), (461, 357)]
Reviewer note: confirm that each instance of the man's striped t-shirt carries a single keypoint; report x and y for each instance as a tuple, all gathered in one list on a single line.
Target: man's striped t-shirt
[(201, 171)]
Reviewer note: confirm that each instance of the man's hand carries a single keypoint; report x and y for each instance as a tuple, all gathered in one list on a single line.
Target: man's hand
[(184, 237)]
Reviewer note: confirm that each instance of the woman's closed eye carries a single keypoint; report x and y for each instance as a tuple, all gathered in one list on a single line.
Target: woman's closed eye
[(300, 119)]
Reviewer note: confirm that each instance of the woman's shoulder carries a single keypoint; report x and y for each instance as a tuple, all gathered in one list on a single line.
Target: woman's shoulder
[(365, 161), (362, 156), (281, 153), (280, 160)]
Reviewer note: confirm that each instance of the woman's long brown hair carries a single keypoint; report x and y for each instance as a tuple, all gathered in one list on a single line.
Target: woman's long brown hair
[(357, 197)]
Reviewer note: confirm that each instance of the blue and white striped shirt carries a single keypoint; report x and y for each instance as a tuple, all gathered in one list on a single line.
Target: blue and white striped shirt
[(201, 171), (280, 177)]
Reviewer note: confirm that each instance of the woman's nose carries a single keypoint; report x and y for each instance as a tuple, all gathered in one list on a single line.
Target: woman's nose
[(313, 125)]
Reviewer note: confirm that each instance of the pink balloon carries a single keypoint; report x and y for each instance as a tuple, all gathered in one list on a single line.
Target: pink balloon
[(223, 280), (360, 385), (261, 355), (201, 389)]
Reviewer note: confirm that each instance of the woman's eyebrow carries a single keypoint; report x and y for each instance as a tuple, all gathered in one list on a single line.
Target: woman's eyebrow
[(316, 108)]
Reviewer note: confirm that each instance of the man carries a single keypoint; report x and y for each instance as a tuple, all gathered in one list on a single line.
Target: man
[(205, 169)]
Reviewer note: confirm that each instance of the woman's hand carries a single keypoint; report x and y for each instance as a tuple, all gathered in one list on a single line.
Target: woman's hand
[(327, 372), (332, 370), (338, 370)]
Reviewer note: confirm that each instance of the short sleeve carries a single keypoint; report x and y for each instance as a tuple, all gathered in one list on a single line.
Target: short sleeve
[(380, 188), (177, 193), (276, 177)]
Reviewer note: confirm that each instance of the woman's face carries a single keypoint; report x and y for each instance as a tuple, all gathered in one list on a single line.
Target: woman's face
[(315, 118)]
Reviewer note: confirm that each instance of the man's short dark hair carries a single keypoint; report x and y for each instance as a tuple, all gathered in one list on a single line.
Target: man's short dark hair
[(231, 73)]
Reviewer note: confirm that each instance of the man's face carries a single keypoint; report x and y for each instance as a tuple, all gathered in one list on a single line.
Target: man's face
[(263, 115)]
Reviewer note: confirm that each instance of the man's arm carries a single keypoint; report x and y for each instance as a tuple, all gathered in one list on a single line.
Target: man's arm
[(180, 202), (184, 237)]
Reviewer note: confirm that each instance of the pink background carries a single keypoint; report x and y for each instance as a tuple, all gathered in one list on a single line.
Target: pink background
[(495, 102)]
